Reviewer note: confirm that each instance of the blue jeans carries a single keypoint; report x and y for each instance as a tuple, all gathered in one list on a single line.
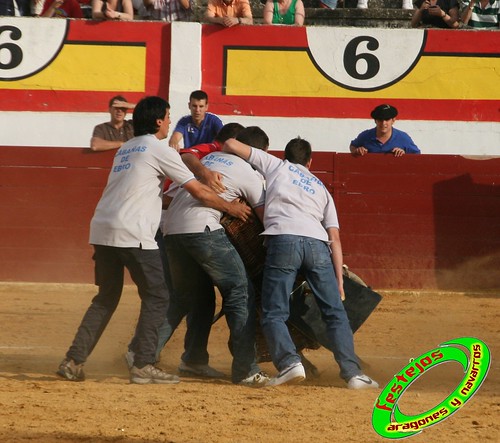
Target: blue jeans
[(286, 255), (200, 261)]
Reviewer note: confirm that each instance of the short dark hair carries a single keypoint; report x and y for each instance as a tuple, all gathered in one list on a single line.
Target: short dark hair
[(120, 98), (298, 151), (198, 95), (146, 112), (229, 130), (255, 137)]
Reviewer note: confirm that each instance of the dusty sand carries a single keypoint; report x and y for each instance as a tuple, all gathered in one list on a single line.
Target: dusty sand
[(38, 323)]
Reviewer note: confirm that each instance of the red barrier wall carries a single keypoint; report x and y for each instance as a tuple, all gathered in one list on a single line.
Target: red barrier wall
[(426, 221)]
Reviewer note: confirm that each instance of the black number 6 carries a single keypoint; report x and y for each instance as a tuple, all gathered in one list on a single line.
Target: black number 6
[(16, 54), (351, 58)]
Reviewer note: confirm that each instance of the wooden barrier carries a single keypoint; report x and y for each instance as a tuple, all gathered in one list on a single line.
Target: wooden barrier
[(416, 222)]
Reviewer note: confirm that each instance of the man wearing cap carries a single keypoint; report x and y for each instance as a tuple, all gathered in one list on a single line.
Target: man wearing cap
[(384, 138), (112, 134)]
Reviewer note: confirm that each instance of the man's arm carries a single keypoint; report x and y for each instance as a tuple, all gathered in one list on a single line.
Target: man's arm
[(300, 13), (175, 140), (409, 146), (337, 258), (99, 144), (122, 104), (467, 11), (268, 12), (233, 146), (210, 15), (210, 178), (209, 198)]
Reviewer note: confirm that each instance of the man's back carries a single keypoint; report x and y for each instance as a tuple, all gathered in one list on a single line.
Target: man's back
[(128, 212), (297, 202), (187, 215)]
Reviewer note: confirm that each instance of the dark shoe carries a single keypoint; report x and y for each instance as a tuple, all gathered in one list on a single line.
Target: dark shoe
[(129, 359), (69, 370), (199, 370), (151, 374)]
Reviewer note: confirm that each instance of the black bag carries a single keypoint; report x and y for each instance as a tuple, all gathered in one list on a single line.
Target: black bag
[(305, 315)]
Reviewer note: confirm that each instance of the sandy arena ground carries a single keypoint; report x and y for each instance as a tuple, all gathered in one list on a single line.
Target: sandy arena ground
[(38, 323)]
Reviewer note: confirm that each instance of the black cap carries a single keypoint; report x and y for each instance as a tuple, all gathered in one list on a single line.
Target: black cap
[(384, 112)]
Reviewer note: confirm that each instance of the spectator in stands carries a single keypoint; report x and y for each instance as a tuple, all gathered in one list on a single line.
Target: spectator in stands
[(166, 10), (86, 7), (383, 139), (15, 8), (481, 13), (199, 127), (61, 9), (284, 12), (112, 10), (363, 4), (229, 12), (112, 134), (436, 13)]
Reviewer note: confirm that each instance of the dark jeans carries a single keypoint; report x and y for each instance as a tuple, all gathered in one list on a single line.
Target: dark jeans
[(146, 270), (199, 320), (197, 263)]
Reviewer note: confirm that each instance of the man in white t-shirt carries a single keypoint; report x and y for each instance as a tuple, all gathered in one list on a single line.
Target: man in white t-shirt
[(302, 233), (122, 232), (200, 256)]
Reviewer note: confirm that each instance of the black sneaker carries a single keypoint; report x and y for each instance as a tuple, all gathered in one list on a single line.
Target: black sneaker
[(198, 370), (151, 374), (69, 370)]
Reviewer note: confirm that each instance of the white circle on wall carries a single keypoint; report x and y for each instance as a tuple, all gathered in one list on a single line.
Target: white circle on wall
[(27, 47), (365, 59)]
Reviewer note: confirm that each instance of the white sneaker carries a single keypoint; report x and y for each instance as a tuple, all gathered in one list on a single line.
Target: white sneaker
[(258, 380), (361, 382), (293, 374), (129, 359), (407, 4), (362, 4)]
